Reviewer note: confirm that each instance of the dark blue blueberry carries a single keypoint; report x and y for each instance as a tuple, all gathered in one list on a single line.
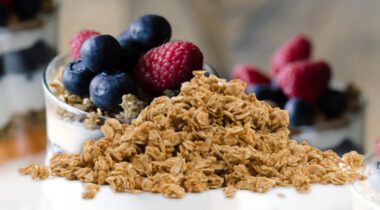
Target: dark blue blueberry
[(148, 30), (262, 91), (3, 16), (131, 52), (76, 78), (26, 9), (278, 95), (101, 53), (300, 112), (333, 103), (107, 89)]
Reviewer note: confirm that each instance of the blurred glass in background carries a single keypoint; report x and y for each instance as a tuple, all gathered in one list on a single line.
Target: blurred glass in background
[(28, 39)]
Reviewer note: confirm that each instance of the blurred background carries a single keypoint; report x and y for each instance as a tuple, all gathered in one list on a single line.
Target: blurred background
[(346, 33)]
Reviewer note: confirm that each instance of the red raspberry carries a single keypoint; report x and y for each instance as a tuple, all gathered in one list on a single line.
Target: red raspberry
[(249, 74), (304, 79), (295, 49), (78, 39), (168, 66)]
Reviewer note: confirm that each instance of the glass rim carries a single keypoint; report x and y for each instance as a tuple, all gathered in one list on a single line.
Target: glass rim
[(74, 110)]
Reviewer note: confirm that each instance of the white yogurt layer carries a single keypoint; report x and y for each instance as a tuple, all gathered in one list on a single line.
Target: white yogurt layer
[(60, 194), (20, 93), (68, 135)]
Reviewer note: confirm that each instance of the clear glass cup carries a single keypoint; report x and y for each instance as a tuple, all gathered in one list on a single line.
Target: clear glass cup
[(366, 194), (67, 129), (26, 47)]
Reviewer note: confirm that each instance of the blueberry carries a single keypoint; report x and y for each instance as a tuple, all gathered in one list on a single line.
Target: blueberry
[(76, 78), (26, 9), (262, 91), (101, 53), (148, 30), (269, 93), (3, 16), (300, 112), (278, 95), (131, 52), (333, 103), (107, 89)]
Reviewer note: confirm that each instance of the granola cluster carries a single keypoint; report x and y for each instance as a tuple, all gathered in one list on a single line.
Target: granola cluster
[(212, 135)]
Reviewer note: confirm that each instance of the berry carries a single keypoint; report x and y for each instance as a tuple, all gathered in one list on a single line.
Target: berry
[(295, 49), (300, 112), (78, 39), (333, 103), (108, 88), (26, 9), (304, 79), (149, 30), (131, 52), (262, 91), (76, 78), (3, 16), (278, 95), (101, 53), (167, 66), (249, 74)]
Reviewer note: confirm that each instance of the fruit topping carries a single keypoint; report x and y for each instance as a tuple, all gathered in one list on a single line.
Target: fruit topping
[(249, 74), (101, 53), (78, 39), (168, 66), (278, 95), (107, 89), (297, 48), (300, 112), (131, 52), (333, 103), (149, 30), (305, 79), (76, 78)]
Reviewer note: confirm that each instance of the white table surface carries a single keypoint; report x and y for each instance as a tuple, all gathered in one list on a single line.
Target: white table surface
[(21, 193)]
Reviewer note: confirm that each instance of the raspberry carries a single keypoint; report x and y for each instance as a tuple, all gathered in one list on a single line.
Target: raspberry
[(304, 79), (78, 39), (249, 74), (297, 48), (168, 66)]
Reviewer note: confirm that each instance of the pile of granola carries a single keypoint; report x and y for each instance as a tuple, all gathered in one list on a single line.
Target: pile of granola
[(212, 135)]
